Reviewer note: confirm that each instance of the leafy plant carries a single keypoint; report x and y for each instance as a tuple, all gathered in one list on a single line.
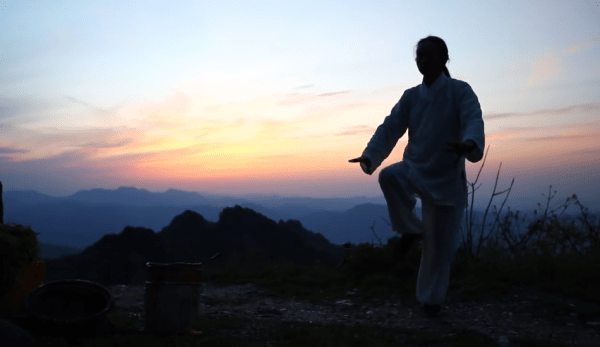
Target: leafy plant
[(18, 247)]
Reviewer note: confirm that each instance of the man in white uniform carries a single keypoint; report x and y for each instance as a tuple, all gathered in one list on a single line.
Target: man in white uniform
[(444, 123)]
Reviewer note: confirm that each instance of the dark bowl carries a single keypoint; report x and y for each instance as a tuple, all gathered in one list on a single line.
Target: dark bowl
[(69, 307)]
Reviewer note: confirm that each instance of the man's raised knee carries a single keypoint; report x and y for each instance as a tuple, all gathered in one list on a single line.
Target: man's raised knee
[(384, 175)]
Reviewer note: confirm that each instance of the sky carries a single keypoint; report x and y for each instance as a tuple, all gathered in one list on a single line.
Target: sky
[(274, 97)]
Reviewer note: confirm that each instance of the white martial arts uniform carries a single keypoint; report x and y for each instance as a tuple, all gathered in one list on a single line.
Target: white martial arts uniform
[(447, 111)]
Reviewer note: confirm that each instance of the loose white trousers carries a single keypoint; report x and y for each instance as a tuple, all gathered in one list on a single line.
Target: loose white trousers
[(440, 228)]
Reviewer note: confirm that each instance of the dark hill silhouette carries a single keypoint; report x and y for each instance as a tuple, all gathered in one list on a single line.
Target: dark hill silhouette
[(189, 237), (121, 258), (114, 259)]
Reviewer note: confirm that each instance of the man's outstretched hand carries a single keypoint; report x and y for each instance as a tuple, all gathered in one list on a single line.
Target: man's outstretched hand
[(461, 148), (365, 163)]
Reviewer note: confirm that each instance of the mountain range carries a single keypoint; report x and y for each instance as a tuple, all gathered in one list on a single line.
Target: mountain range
[(69, 224)]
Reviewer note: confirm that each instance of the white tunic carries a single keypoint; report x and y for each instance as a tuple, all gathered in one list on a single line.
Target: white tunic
[(447, 111)]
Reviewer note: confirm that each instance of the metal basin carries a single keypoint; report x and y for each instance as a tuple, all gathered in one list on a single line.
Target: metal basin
[(69, 308)]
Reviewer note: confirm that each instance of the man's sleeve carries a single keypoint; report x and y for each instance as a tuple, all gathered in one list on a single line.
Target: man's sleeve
[(472, 122), (387, 134)]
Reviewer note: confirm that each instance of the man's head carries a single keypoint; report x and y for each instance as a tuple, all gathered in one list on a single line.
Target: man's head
[(431, 57)]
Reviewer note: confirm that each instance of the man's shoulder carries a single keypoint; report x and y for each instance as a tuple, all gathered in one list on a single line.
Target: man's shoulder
[(411, 91), (458, 83)]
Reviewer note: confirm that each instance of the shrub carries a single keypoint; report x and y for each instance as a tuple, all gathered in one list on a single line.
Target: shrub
[(18, 247)]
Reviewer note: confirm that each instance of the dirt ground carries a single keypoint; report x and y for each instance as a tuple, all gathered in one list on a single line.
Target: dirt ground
[(524, 312)]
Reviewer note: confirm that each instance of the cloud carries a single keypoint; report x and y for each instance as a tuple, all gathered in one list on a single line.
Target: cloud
[(257, 121), (555, 138), (555, 135), (333, 93), (593, 152), (359, 129), (132, 158), (582, 45), (544, 69), (500, 115), (306, 86), (299, 98), (107, 145), (568, 109), (500, 136), (26, 109), (86, 158), (573, 109), (277, 157), (51, 142), (70, 170), (98, 111), (10, 150)]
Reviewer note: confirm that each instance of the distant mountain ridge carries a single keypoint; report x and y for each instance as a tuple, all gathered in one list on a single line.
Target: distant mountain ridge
[(132, 196), (29, 197), (79, 220)]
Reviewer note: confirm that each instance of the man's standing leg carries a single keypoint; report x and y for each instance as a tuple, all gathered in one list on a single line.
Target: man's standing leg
[(440, 241)]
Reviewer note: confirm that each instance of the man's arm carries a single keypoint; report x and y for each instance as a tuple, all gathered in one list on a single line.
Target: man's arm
[(387, 134), (472, 123)]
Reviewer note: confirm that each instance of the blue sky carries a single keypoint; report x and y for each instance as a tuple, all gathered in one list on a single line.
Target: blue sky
[(240, 97)]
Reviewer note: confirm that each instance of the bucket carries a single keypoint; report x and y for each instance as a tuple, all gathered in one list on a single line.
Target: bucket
[(172, 297), (69, 308)]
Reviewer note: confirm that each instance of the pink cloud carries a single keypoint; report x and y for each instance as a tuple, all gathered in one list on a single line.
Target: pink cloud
[(544, 69), (582, 45)]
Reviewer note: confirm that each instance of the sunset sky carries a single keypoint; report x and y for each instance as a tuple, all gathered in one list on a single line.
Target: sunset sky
[(274, 97)]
